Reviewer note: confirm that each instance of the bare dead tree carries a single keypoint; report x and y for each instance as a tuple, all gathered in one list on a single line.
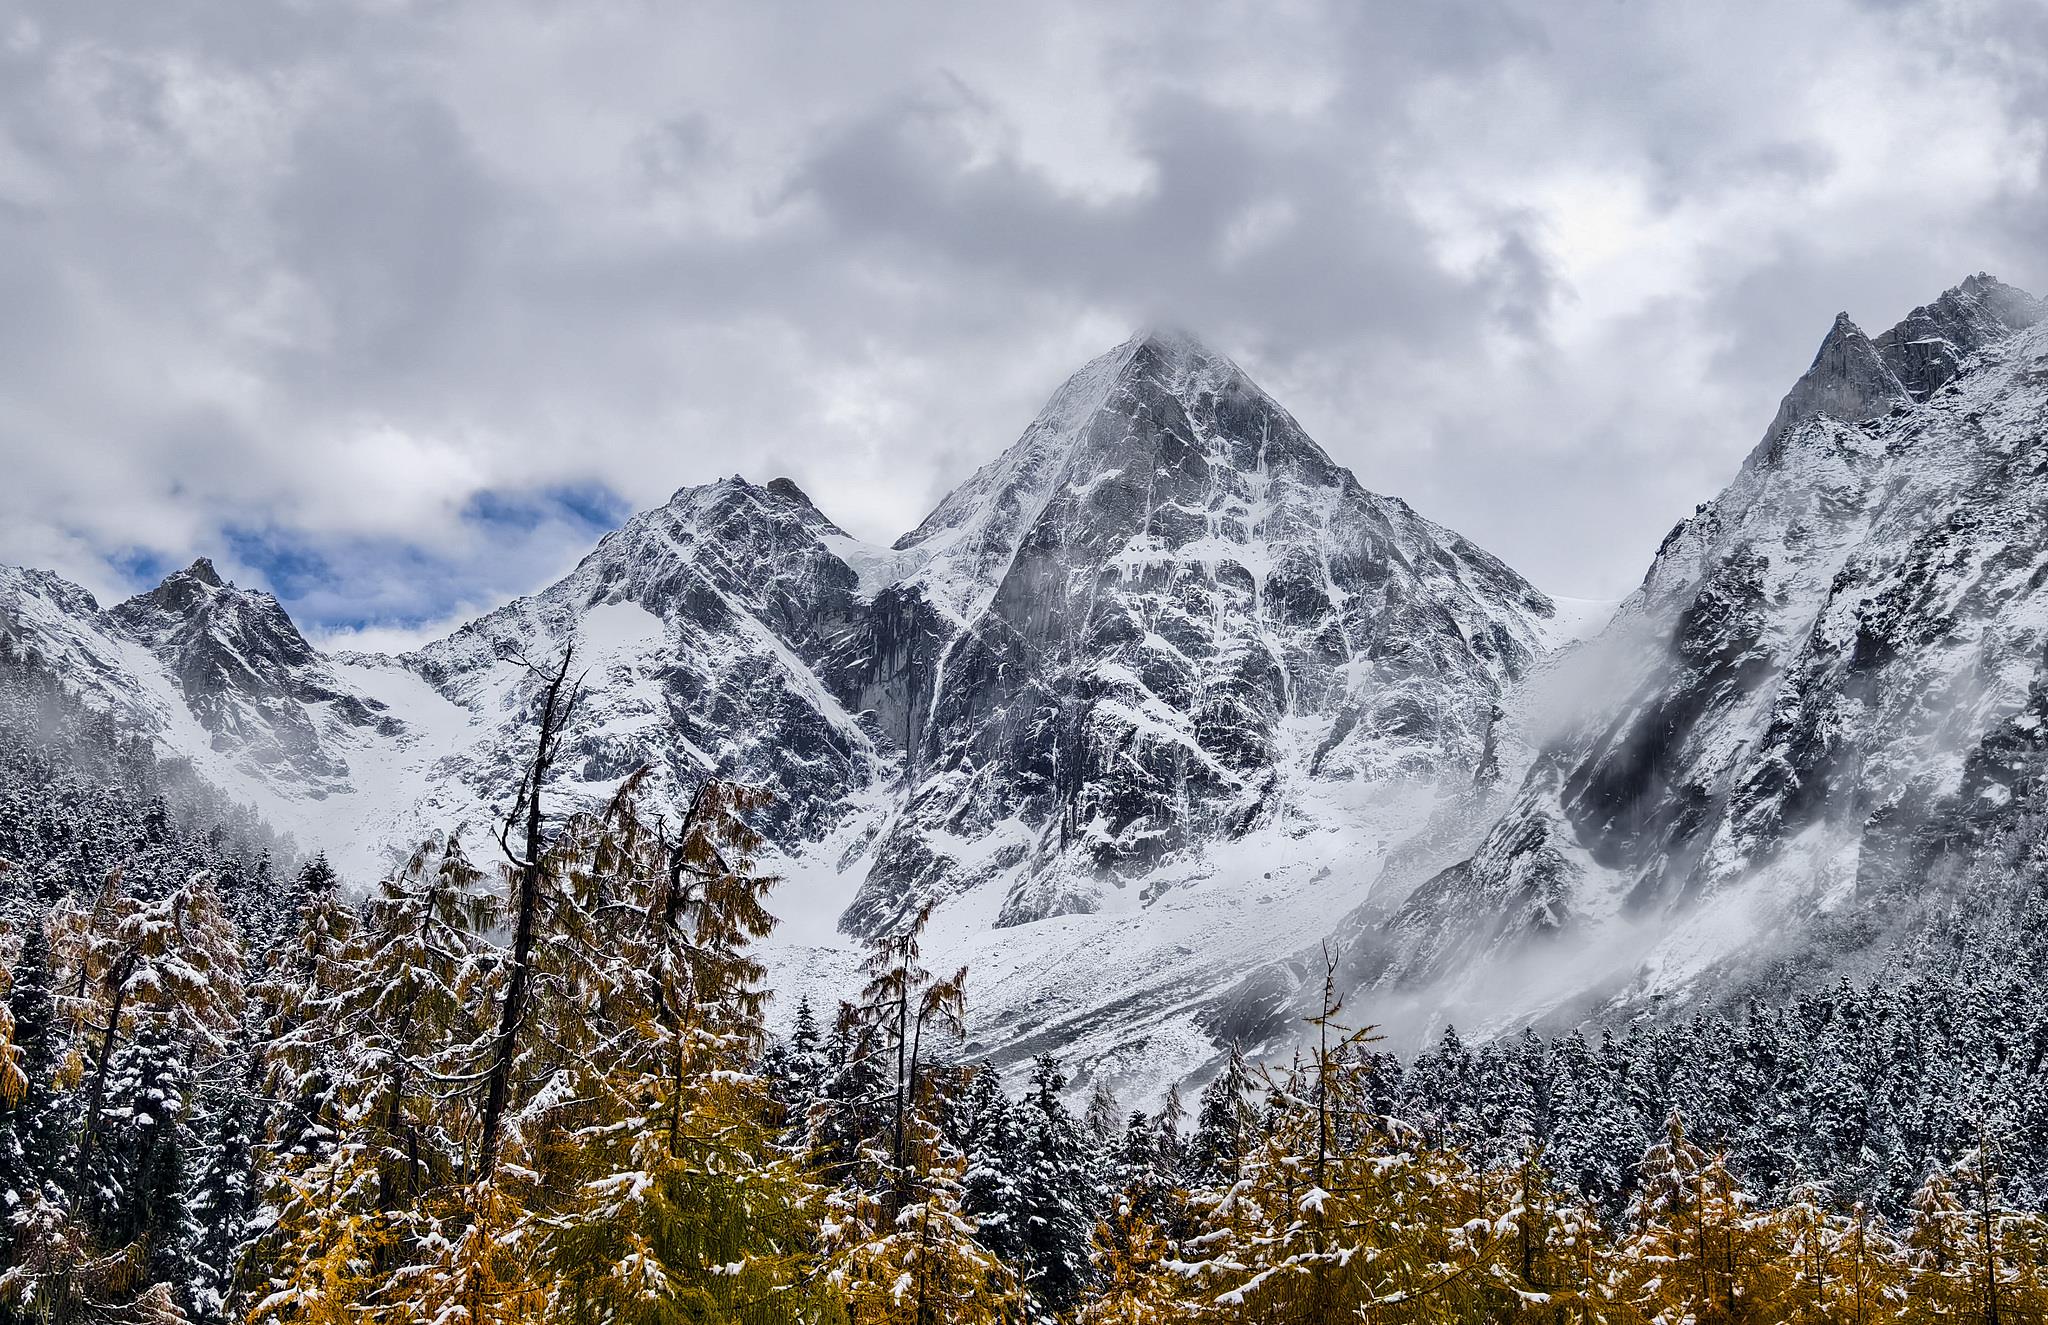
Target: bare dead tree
[(528, 868)]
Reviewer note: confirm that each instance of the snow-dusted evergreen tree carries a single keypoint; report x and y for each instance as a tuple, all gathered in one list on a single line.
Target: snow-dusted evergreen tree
[(149, 992), (360, 1191), (1225, 1121), (902, 1247), (986, 1127), (1594, 1141), (32, 1127), (688, 1205), (853, 1101), (1841, 1265), (1973, 1257), (1058, 1196), (901, 1004), (1698, 1247), (796, 1067), (1103, 1119), (1342, 1213)]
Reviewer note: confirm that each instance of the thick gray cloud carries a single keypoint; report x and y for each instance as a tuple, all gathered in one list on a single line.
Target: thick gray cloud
[(390, 305)]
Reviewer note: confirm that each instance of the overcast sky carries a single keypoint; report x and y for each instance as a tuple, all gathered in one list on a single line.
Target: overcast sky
[(393, 307)]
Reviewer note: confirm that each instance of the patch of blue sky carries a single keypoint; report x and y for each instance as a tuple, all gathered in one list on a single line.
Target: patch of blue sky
[(513, 541)]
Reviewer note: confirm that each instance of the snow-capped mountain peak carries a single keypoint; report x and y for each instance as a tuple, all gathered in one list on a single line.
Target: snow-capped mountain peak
[(1161, 630), (1834, 678)]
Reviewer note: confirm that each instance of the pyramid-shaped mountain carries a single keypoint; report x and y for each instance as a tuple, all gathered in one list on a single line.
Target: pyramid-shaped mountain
[(1160, 676), (1160, 609)]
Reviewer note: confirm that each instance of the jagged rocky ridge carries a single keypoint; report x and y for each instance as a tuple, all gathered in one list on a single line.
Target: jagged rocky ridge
[(1832, 683), (196, 653)]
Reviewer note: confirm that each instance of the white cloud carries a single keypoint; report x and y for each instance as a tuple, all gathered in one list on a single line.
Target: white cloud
[(329, 273)]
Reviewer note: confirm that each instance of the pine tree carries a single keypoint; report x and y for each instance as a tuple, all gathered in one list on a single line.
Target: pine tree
[(534, 887), (986, 1128), (155, 988), (1974, 1258), (1594, 1141), (1698, 1249), (902, 1247), (1133, 1242), (1341, 1212), (1842, 1267), (1224, 1122), (687, 1206), (901, 1002), (30, 1126), (404, 1003), (921, 1264), (1104, 1120), (166, 975), (1057, 1195), (797, 1068), (1553, 1253), (852, 1104), (1130, 1256)]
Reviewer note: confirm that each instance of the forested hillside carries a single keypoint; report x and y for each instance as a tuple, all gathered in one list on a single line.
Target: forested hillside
[(528, 1079)]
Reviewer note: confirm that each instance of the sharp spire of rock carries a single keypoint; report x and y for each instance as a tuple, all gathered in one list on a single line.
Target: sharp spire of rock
[(1848, 380)]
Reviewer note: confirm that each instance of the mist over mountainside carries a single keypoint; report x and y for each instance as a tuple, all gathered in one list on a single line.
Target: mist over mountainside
[(1830, 688), (1162, 693)]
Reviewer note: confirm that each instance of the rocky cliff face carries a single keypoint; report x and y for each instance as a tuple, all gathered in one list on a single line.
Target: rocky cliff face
[(1127, 634), (1831, 678), (709, 634)]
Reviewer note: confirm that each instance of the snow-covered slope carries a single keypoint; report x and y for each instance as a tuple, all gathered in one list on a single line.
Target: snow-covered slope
[(1834, 675), (707, 633), (1139, 704)]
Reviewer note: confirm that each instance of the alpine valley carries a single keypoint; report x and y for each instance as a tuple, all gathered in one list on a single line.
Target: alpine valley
[(1161, 704)]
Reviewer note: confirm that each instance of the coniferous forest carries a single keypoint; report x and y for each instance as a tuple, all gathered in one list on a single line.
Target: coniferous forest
[(527, 1077)]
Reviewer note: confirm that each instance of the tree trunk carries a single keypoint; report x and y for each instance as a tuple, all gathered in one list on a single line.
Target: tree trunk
[(96, 1097), (526, 921)]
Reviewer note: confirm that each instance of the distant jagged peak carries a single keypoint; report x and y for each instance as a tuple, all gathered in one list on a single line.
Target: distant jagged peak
[(196, 619), (197, 587), (734, 496), (1930, 345), (2015, 308), (1855, 377), (1848, 380), (202, 570)]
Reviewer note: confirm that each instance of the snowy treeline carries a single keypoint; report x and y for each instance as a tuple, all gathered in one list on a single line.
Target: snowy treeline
[(527, 1078)]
